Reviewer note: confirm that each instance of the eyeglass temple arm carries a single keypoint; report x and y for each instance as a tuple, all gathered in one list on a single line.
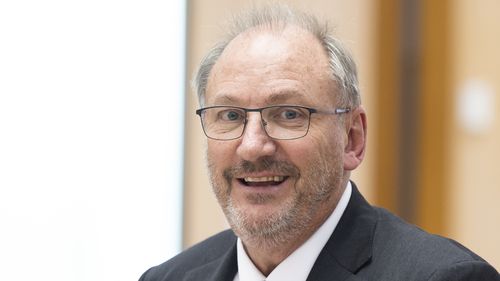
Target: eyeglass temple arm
[(336, 111)]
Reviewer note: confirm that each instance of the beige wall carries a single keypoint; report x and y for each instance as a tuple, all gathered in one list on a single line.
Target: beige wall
[(474, 210), (352, 21)]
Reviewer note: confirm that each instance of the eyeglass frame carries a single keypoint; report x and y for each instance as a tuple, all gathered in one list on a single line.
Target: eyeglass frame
[(311, 110)]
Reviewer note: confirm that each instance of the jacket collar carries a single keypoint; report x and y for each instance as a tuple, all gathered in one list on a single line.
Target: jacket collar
[(222, 269), (351, 244)]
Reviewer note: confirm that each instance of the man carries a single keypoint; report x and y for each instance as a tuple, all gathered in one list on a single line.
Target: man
[(281, 109)]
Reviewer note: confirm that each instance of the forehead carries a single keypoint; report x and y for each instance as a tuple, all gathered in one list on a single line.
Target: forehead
[(263, 66)]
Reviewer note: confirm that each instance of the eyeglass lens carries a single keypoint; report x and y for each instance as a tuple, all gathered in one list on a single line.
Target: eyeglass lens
[(280, 122)]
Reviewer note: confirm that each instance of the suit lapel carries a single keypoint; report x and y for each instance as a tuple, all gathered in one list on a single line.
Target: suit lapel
[(326, 268), (350, 246), (221, 269)]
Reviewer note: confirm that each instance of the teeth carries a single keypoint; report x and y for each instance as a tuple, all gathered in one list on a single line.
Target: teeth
[(264, 179)]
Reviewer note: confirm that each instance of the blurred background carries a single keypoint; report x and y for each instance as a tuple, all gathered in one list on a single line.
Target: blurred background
[(430, 83), (102, 170)]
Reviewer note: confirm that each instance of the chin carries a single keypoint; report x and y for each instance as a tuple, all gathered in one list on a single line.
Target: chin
[(266, 225)]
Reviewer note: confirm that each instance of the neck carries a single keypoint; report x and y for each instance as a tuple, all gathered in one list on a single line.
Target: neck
[(268, 253)]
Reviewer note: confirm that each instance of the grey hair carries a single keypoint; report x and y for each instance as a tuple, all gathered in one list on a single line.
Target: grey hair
[(278, 17)]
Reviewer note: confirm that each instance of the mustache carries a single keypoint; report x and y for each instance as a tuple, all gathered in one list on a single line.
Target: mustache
[(263, 164)]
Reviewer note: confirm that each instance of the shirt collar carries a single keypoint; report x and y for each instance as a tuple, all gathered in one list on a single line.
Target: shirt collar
[(296, 266)]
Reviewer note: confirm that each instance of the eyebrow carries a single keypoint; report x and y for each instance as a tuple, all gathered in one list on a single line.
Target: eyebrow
[(285, 96), (273, 98), (225, 99)]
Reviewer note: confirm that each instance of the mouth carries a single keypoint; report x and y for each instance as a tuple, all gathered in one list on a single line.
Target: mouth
[(263, 181)]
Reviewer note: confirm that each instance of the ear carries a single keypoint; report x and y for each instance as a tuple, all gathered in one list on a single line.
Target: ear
[(354, 150)]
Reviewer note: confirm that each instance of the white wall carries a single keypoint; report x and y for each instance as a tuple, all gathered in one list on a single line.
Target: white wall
[(91, 127)]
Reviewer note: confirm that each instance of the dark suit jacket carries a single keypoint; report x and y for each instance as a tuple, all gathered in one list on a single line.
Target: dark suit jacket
[(368, 244)]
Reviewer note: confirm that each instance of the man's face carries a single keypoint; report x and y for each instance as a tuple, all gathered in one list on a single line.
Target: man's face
[(274, 190)]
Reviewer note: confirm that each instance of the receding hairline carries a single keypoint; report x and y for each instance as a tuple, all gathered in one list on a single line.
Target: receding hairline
[(277, 18), (296, 33)]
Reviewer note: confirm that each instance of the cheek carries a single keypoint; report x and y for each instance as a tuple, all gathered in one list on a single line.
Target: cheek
[(303, 153), (316, 148), (331, 136), (219, 155), (216, 164)]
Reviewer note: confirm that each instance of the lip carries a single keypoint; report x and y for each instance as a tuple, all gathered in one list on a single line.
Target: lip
[(259, 175), (264, 179), (271, 188), (262, 176)]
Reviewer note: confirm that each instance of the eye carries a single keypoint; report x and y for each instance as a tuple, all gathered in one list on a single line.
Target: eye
[(289, 114), (231, 115)]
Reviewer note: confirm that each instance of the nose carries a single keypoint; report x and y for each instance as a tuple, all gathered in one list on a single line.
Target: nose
[(255, 143)]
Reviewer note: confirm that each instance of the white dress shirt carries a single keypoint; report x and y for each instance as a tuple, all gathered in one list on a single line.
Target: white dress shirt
[(296, 266)]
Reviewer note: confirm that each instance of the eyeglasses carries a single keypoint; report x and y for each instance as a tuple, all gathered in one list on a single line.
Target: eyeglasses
[(282, 122)]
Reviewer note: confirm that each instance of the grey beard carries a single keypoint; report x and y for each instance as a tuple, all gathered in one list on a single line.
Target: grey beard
[(295, 216), (270, 232)]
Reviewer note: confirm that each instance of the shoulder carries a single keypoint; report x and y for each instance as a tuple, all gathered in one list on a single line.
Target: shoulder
[(193, 257), (412, 252), (468, 270)]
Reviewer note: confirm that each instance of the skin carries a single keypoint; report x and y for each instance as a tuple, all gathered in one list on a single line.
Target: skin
[(262, 67)]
